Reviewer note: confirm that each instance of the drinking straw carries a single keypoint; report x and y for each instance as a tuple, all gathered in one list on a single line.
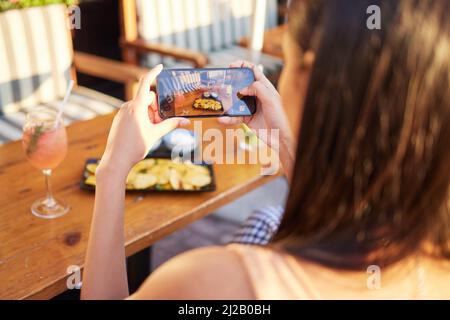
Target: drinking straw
[(63, 103), (246, 128)]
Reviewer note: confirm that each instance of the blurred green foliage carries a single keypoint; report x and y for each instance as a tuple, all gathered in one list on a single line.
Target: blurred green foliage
[(18, 4)]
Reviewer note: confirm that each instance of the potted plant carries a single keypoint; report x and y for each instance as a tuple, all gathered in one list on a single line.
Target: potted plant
[(19, 4)]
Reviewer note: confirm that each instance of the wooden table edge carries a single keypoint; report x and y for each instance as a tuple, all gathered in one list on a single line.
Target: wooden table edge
[(144, 241)]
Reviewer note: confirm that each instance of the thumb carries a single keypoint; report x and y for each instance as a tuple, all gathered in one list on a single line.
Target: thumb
[(143, 96), (248, 91), (164, 127), (259, 90)]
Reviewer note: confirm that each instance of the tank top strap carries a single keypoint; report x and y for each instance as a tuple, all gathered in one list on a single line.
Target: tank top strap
[(274, 275)]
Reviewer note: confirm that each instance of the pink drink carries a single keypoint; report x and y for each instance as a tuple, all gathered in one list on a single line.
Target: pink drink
[(44, 145)]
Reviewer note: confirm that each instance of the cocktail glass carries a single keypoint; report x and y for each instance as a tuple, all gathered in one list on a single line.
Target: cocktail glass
[(45, 144)]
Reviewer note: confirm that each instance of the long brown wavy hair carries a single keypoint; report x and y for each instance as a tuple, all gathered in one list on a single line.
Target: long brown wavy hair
[(372, 170)]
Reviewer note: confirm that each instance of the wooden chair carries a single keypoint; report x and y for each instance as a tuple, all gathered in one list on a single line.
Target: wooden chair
[(36, 62), (191, 33)]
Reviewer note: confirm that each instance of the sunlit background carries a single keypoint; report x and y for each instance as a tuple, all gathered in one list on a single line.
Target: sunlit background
[(105, 46)]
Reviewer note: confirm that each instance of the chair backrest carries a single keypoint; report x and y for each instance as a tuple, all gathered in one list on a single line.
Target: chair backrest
[(35, 56), (201, 25)]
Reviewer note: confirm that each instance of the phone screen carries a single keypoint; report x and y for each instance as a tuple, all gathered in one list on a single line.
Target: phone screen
[(204, 92)]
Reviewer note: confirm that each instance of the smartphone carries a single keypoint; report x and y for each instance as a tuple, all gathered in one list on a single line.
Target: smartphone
[(211, 92)]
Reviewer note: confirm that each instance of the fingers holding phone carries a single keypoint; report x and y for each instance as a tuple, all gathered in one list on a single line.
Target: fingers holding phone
[(269, 112), (136, 127), (259, 75)]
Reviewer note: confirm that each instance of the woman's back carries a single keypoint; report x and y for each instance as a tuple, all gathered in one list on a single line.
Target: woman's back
[(267, 273), (275, 274)]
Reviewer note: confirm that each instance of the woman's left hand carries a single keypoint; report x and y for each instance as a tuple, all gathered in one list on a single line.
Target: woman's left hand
[(136, 127)]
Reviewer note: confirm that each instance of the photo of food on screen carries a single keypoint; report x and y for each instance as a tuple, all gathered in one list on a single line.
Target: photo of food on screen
[(204, 92)]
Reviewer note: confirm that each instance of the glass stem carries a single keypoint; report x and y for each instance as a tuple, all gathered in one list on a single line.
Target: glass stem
[(50, 200)]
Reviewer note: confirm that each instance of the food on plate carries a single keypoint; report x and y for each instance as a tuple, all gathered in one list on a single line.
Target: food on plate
[(197, 180), (90, 180), (174, 179), (143, 181), (160, 174), (91, 167), (207, 104)]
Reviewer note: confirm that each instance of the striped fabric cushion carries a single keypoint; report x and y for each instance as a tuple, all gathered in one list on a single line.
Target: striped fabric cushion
[(201, 25), (222, 59), (185, 83), (35, 56), (83, 104)]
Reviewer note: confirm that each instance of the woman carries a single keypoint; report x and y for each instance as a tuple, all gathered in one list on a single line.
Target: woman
[(369, 180)]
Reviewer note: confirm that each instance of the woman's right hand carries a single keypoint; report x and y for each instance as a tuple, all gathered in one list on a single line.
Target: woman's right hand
[(269, 112)]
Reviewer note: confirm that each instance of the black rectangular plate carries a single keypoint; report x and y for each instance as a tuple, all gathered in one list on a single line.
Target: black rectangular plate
[(161, 153)]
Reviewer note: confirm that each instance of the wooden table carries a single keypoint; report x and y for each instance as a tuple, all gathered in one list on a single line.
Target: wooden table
[(273, 41), (35, 253)]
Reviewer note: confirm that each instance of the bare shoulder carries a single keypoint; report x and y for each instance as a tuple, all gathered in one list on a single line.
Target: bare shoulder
[(205, 273)]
